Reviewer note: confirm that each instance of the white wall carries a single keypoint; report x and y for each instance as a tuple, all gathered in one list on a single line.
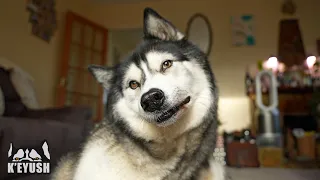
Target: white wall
[(17, 44), (124, 41)]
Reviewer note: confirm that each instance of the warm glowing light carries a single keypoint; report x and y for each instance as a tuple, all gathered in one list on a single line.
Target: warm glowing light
[(272, 63), (282, 67), (311, 60)]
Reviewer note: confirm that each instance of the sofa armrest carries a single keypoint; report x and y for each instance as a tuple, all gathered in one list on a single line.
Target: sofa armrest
[(70, 114), (29, 133)]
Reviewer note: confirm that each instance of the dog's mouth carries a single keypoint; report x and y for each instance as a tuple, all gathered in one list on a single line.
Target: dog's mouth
[(169, 113)]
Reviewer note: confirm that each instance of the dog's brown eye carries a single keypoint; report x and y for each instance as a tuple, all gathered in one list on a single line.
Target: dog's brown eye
[(167, 64), (134, 84)]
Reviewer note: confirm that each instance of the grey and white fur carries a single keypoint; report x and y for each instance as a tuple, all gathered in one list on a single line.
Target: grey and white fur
[(161, 115)]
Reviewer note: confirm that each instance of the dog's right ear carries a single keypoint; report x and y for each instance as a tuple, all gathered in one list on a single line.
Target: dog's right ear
[(45, 149), (158, 27), (102, 74)]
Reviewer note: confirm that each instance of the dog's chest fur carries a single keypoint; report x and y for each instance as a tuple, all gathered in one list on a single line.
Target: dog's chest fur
[(114, 156)]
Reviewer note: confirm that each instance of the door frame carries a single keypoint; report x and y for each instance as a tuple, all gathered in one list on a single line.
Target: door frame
[(64, 62)]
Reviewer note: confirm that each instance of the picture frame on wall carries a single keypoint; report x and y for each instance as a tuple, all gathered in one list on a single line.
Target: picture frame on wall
[(199, 32), (42, 18), (243, 30)]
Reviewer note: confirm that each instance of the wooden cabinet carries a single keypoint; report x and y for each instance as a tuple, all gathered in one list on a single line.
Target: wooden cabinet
[(291, 102)]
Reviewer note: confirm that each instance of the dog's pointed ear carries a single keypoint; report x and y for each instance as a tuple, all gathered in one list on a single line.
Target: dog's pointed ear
[(156, 26), (45, 149), (102, 74), (10, 150)]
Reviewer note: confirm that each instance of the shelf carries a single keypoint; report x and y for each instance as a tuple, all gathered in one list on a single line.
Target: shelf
[(290, 90)]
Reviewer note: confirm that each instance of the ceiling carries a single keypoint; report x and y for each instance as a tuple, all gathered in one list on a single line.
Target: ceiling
[(122, 1)]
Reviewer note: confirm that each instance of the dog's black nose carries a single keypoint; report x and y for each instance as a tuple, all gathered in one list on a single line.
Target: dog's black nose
[(152, 100)]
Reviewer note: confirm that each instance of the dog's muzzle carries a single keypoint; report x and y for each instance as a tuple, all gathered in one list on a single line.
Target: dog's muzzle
[(152, 100), (169, 113)]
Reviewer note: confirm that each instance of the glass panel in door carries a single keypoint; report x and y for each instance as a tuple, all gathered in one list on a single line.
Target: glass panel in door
[(87, 46)]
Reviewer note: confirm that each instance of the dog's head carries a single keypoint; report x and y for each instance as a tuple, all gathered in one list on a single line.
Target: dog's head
[(165, 82)]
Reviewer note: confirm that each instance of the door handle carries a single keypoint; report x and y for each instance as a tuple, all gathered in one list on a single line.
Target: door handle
[(63, 82)]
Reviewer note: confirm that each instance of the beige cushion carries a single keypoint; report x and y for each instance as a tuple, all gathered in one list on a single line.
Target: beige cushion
[(23, 83), (25, 87)]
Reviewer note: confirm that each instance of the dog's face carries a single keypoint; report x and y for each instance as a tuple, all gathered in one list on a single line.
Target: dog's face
[(164, 82)]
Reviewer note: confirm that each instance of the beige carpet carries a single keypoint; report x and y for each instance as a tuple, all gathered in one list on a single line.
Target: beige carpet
[(272, 174)]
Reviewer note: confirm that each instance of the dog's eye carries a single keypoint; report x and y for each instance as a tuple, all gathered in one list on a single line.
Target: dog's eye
[(16, 158), (167, 64), (134, 84)]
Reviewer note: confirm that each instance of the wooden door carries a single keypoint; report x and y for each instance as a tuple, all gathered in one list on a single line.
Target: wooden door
[(84, 44)]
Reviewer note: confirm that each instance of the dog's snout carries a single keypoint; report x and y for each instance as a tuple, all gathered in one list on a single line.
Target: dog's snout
[(152, 100)]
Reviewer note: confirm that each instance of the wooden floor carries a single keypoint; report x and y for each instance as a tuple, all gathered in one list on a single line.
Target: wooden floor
[(302, 164), (272, 174)]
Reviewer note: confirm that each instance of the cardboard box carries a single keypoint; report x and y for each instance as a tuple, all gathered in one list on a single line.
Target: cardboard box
[(318, 151), (270, 157), (242, 154), (307, 145)]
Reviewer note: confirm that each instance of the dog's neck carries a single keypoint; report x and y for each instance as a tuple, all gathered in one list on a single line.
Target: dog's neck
[(165, 140), (166, 147)]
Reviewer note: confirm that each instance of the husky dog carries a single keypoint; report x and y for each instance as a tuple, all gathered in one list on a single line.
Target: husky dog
[(161, 114)]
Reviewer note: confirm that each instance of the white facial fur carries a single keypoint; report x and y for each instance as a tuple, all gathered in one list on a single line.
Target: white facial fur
[(132, 96), (175, 82), (182, 79)]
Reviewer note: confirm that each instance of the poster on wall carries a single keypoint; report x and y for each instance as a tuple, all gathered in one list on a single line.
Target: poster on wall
[(42, 18), (242, 30)]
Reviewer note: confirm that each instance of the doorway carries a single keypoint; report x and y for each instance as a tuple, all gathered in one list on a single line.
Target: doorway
[(85, 43), (120, 43)]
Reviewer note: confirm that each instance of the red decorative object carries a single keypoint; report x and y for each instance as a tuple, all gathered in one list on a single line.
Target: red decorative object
[(291, 48)]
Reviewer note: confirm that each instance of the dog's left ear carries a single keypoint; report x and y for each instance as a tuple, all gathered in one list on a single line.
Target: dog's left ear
[(102, 74), (45, 149), (156, 26)]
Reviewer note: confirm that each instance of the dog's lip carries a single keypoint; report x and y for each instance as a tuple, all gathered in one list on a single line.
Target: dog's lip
[(169, 113)]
